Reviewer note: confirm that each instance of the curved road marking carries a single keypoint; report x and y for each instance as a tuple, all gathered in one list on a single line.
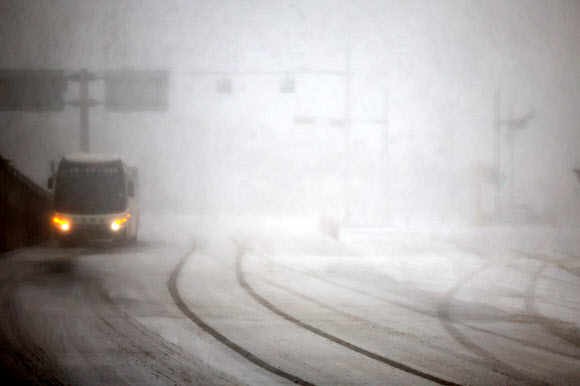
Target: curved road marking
[(172, 284)]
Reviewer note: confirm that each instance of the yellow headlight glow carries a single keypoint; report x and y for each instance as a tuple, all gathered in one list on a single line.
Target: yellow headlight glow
[(116, 225), (60, 223)]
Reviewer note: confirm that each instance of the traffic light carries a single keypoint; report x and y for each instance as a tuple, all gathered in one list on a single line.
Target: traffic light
[(130, 90), (32, 90)]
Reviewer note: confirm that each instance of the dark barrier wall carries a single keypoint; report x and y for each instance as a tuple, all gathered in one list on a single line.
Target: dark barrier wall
[(24, 209)]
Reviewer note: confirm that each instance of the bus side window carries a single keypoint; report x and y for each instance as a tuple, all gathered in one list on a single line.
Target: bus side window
[(131, 189)]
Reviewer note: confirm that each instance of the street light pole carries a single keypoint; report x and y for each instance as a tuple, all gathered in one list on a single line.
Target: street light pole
[(513, 126)]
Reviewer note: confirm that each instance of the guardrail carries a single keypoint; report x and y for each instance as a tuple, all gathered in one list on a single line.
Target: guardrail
[(24, 209)]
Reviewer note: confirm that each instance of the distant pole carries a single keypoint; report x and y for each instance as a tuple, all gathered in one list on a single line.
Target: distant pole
[(577, 171), (512, 178), (347, 136), (386, 123), (514, 125), (497, 155)]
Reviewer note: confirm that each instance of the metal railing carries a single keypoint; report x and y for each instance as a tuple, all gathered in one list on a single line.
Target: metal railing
[(24, 209)]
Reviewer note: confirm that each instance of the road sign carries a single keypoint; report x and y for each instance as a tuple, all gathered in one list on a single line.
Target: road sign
[(131, 90), (32, 90)]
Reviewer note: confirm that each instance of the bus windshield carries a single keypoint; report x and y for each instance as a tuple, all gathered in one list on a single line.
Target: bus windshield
[(90, 190)]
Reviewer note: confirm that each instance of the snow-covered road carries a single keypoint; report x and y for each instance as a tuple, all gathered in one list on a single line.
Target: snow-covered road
[(268, 302)]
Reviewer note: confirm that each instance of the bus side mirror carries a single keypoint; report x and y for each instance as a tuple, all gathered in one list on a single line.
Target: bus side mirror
[(50, 183), (131, 189)]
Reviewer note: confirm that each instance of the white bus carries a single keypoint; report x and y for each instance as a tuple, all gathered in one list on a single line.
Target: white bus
[(95, 199)]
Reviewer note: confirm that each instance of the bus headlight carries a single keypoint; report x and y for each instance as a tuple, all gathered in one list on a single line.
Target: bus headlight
[(117, 224), (61, 223)]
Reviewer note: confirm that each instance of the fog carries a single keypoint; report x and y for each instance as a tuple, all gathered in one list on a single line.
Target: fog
[(365, 112)]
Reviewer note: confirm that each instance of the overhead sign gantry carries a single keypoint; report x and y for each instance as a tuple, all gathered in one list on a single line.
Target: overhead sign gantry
[(44, 90)]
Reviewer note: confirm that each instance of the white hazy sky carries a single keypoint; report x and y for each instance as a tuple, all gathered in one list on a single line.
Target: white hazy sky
[(430, 67)]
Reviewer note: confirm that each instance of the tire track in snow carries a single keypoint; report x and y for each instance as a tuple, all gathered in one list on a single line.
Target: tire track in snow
[(445, 318), (544, 258), (555, 327), (532, 318), (552, 326), (172, 285), (96, 321), (22, 360), (164, 359), (400, 366)]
